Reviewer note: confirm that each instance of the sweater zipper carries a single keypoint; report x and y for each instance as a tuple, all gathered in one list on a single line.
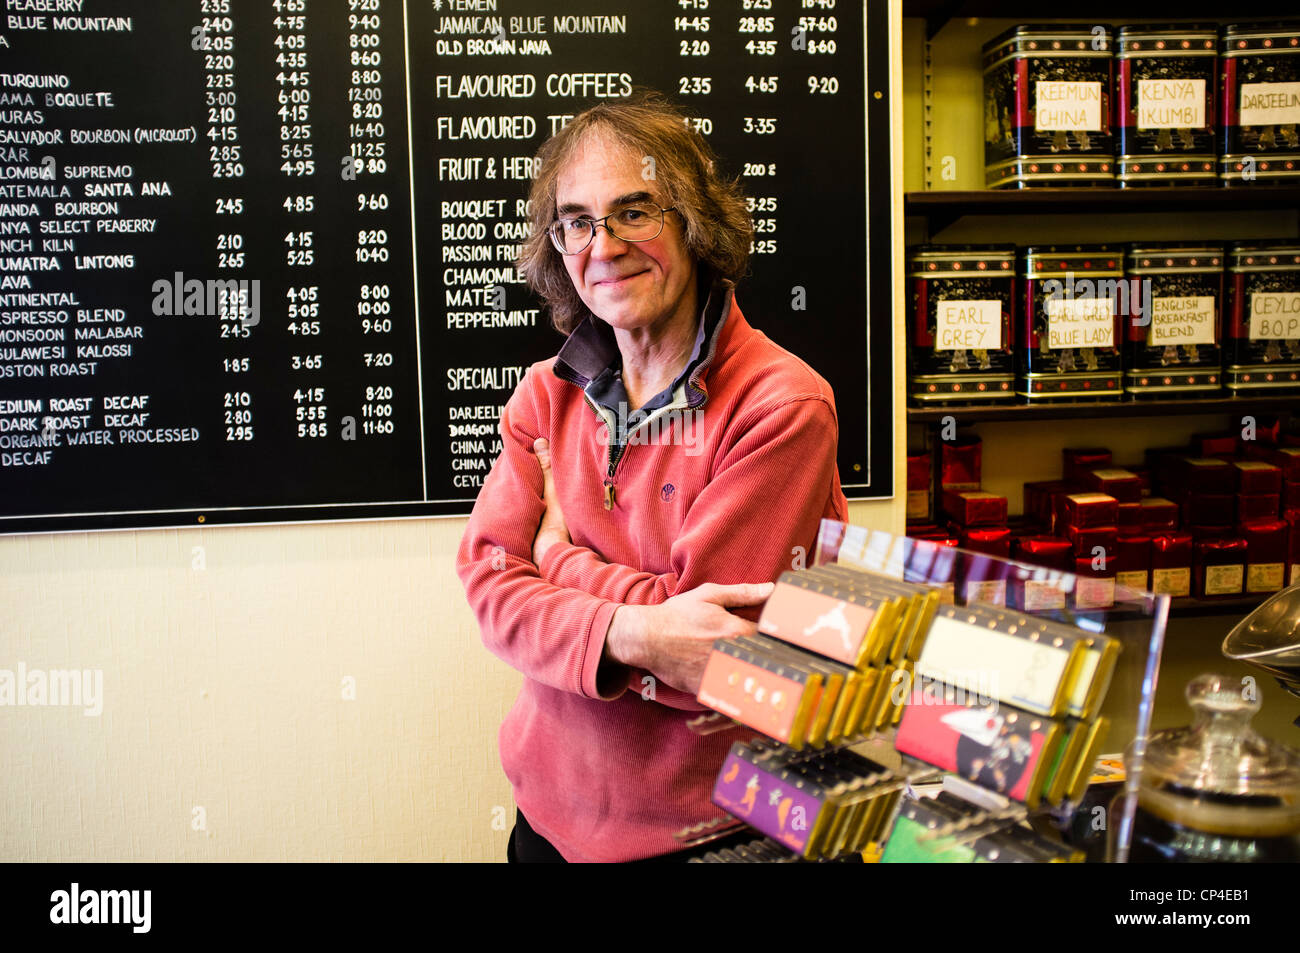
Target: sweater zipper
[(615, 455)]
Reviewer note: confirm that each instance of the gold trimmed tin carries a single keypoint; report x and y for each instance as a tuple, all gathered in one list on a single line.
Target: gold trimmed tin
[(961, 310), (1070, 331), (1260, 82), (1048, 115), (1174, 337), (1166, 96), (1262, 317)]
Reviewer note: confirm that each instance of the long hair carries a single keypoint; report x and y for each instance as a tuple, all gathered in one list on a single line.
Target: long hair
[(685, 170)]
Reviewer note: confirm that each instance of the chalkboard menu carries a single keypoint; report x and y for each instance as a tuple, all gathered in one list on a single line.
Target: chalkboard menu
[(257, 256)]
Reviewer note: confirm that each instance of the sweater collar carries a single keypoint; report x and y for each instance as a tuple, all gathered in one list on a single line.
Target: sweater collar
[(592, 349)]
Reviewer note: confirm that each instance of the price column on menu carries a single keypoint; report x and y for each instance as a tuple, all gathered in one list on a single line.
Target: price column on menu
[(217, 320), (764, 80), (339, 322)]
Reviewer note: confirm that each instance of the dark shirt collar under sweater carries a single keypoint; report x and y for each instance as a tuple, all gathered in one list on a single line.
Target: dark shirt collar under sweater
[(590, 358)]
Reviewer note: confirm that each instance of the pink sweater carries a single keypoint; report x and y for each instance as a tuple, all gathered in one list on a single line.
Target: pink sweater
[(602, 771)]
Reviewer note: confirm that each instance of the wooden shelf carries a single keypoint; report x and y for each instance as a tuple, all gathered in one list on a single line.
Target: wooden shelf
[(942, 208), (1283, 405), (1240, 606)]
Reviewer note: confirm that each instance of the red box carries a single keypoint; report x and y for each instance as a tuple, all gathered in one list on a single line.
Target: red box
[(1121, 484), (1256, 476), (1087, 509), (1050, 551), (1040, 501), (1159, 460), (1133, 562), (1292, 519), (1201, 475), (1258, 506), (960, 463), (1219, 567), (1085, 539), (918, 485), (1159, 513), (1077, 461), (1130, 517), (996, 541), (1285, 458), (1093, 588), (1208, 509), (1214, 444), (1290, 495), (975, 507), (1171, 564), (1143, 473), (1267, 553)]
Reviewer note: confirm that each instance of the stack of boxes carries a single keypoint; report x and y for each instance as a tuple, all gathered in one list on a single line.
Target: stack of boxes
[(1219, 518), (966, 515), (1209, 520)]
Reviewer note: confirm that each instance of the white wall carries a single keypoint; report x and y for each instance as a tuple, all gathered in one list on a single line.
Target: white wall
[(223, 689)]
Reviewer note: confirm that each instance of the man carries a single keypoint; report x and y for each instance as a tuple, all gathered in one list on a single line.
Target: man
[(665, 467)]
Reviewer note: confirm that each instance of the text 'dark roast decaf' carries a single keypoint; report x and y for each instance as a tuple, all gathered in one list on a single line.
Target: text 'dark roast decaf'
[(1166, 91), (1262, 317), (1261, 104), (1047, 107), (960, 318), (1068, 337), (1174, 343)]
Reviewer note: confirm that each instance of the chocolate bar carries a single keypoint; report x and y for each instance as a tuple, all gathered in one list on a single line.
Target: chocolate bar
[(999, 748), (775, 697), (1025, 662), (815, 614)]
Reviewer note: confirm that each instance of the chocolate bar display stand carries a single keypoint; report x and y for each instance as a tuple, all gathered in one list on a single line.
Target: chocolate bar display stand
[(999, 702)]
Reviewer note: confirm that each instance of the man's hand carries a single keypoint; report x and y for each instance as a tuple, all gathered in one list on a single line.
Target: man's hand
[(553, 529), (672, 640)]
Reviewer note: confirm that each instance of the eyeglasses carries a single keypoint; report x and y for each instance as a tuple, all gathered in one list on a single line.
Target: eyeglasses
[(632, 223)]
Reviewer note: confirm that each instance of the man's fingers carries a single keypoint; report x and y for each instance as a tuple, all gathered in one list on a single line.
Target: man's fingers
[(741, 594), (542, 448)]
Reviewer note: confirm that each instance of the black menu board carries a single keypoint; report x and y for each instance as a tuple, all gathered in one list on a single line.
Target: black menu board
[(257, 256)]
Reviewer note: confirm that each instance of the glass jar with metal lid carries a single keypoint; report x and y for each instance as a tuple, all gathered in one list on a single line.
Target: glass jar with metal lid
[(1261, 333), (1047, 107), (1217, 792), (1260, 66), (1166, 91), (1069, 335), (1173, 347), (960, 316)]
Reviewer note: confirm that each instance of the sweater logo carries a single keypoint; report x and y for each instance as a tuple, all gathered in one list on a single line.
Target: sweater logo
[(668, 492)]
